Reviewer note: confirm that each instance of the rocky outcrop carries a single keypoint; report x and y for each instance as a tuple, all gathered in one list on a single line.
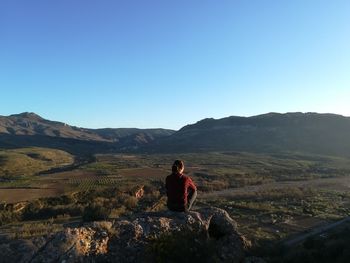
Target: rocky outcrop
[(129, 239), (138, 192)]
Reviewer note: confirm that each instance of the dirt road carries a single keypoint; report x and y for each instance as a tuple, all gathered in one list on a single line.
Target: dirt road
[(315, 231)]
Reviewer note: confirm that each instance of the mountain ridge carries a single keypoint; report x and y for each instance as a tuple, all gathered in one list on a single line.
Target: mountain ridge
[(266, 116), (29, 129), (310, 132), (29, 123), (316, 133)]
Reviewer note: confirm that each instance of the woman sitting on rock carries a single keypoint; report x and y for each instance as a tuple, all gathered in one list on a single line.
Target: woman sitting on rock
[(181, 190)]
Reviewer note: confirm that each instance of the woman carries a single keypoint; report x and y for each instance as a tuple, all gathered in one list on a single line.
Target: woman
[(181, 190)]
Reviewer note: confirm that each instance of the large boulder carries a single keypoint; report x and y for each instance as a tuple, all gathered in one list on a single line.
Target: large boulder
[(139, 238)]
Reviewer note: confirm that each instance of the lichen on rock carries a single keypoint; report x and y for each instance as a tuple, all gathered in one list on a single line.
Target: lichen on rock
[(148, 236)]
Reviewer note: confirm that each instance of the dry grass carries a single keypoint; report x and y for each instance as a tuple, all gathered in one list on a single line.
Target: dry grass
[(29, 161), (19, 195)]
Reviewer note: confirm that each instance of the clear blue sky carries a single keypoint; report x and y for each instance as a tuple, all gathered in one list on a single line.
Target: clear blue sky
[(169, 63)]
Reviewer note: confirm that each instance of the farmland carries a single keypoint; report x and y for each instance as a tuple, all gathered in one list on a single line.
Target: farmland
[(272, 197)]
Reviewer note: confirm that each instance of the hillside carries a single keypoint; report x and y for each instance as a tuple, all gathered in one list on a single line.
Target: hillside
[(325, 134), (273, 132), (29, 129), (29, 161)]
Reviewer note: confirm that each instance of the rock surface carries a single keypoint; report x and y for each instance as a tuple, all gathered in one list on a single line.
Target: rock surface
[(126, 239)]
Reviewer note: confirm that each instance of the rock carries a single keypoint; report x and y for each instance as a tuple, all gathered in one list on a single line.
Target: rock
[(254, 260), (18, 207), (74, 244), (128, 239), (140, 192)]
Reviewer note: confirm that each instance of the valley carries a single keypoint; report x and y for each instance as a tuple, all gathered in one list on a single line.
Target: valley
[(271, 196), (277, 182)]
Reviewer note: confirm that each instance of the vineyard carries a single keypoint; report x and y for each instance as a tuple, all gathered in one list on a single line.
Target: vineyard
[(94, 182)]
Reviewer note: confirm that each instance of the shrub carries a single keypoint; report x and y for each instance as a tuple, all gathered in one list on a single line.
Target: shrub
[(36, 229), (183, 246), (128, 201), (117, 212), (95, 212), (7, 216)]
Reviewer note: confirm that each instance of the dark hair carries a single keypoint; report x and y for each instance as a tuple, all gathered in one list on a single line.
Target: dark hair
[(177, 166)]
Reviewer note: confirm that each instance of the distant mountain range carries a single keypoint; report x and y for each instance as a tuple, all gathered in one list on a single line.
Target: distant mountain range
[(327, 134), (29, 129)]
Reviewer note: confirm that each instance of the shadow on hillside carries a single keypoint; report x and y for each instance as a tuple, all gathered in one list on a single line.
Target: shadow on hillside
[(73, 146), (2, 160)]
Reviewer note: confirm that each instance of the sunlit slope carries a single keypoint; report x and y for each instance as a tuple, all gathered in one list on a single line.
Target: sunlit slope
[(29, 129), (325, 134), (31, 124), (29, 161)]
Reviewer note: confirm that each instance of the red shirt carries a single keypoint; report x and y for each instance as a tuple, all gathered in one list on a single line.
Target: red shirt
[(177, 186)]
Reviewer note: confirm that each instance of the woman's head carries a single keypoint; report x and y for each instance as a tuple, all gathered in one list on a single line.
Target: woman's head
[(178, 167)]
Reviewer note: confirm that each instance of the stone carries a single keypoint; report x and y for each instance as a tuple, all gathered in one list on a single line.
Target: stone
[(126, 239)]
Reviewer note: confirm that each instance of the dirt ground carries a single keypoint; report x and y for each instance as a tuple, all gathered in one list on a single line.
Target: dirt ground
[(59, 183), (339, 183), (23, 194), (144, 173), (76, 174)]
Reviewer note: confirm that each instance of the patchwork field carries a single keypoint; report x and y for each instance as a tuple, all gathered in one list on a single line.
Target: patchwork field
[(27, 194), (272, 197)]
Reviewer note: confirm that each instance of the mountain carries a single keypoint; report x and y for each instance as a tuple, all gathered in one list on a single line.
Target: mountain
[(29, 129), (273, 132), (314, 133)]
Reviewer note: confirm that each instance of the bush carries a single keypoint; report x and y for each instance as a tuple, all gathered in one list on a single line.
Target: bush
[(117, 212), (95, 212), (7, 216), (35, 212), (36, 229), (183, 246), (128, 201)]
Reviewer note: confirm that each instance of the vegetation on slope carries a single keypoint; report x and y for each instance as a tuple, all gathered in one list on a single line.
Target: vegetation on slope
[(315, 133), (332, 246), (25, 162)]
